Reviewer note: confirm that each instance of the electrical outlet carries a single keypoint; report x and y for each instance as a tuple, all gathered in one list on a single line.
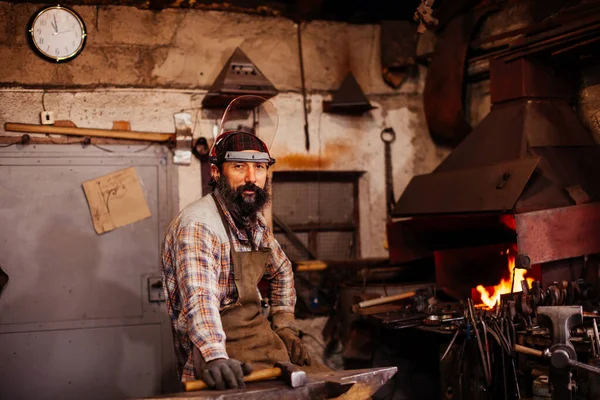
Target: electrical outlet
[(47, 117)]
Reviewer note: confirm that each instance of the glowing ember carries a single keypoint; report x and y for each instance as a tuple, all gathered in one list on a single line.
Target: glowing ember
[(503, 287)]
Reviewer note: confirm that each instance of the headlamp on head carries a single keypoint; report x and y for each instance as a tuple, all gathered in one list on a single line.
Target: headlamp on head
[(240, 147), (246, 131)]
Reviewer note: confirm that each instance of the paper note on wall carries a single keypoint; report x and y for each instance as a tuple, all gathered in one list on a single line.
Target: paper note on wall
[(115, 200)]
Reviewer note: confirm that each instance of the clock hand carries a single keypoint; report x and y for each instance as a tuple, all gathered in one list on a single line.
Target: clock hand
[(55, 25)]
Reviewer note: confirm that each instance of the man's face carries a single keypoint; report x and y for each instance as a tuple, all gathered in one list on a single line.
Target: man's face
[(242, 185), (239, 174)]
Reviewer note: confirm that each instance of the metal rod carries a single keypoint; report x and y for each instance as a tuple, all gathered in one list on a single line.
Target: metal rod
[(512, 361), (487, 348), (587, 367), (450, 345), (293, 237), (504, 376), (596, 335), (483, 360)]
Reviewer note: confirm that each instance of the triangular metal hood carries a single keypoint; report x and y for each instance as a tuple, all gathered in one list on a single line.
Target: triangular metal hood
[(238, 77), (348, 99)]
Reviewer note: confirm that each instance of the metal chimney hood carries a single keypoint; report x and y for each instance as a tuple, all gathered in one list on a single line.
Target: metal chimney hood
[(238, 77), (527, 174), (529, 153)]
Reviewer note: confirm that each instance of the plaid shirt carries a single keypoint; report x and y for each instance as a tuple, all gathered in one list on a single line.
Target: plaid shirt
[(199, 283)]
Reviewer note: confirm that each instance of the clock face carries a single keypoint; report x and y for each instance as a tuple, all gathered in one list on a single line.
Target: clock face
[(57, 33)]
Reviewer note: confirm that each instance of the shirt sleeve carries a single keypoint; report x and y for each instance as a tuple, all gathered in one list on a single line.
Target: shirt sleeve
[(198, 260), (282, 294)]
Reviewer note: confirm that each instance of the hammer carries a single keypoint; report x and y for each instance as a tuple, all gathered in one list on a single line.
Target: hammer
[(286, 371)]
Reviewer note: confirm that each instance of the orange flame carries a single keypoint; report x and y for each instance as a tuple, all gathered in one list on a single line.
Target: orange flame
[(503, 287)]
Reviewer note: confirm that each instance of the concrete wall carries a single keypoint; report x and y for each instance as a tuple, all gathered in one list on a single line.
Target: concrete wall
[(143, 66)]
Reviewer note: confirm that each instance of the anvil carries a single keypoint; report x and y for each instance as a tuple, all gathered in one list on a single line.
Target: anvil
[(356, 384)]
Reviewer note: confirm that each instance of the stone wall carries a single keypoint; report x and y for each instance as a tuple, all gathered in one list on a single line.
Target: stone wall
[(144, 66)]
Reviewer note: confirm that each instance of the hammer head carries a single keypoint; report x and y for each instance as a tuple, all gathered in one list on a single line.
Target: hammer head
[(291, 374)]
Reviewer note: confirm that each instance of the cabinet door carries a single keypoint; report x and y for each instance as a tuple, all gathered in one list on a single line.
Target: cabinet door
[(81, 315)]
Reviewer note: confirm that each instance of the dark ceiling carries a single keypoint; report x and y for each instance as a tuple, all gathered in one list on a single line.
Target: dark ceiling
[(354, 11)]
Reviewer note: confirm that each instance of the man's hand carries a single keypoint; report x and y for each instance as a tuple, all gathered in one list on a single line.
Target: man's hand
[(296, 349), (223, 374), (284, 325)]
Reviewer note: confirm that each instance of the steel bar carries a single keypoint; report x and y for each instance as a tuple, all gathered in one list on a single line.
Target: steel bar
[(587, 367), (481, 351), (450, 345), (487, 348), (597, 336), (293, 237)]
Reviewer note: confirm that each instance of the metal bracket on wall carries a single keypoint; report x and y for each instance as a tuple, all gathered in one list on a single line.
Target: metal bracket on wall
[(155, 290)]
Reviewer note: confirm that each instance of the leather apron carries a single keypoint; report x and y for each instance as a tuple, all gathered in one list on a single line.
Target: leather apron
[(249, 334)]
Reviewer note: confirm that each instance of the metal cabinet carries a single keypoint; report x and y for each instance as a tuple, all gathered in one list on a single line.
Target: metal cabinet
[(81, 315)]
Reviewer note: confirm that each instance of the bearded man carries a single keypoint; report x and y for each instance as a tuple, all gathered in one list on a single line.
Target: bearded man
[(215, 253)]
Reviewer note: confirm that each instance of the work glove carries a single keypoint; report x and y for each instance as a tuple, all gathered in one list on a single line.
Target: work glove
[(283, 325), (220, 373)]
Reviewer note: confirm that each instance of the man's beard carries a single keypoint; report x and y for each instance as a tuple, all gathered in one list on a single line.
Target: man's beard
[(243, 208)]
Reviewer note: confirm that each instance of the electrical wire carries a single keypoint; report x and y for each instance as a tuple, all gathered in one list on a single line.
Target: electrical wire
[(85, 143), (102, 148), (43, 103), (144, 148), (24, 140)]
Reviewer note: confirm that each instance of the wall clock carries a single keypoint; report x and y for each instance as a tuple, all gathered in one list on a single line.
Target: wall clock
[(57, 33)]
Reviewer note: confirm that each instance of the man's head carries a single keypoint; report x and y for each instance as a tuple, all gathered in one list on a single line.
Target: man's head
[(239, 172)]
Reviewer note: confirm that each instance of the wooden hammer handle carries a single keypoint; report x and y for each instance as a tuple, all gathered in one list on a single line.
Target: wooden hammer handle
[(384, 300), (528, 350), (261, 375)]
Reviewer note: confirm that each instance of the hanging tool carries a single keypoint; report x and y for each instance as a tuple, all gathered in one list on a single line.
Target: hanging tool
[(424, 16), (306, 137), (388, 136)]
